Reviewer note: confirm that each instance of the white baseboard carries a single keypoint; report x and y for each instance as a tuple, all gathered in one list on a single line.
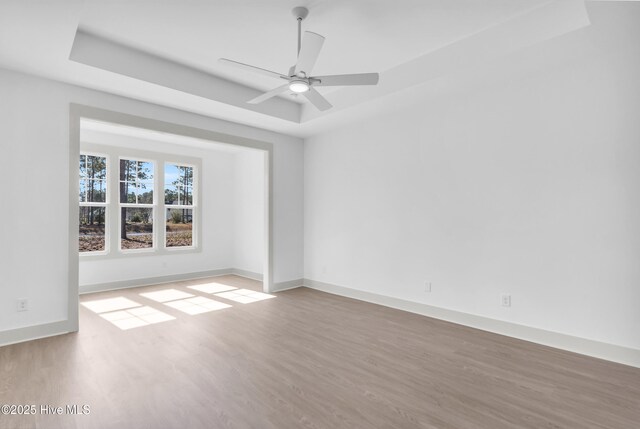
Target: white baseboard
[(277, 287), (248, 274), (148, 281), (288, 285), (28, 333), (611, 352), (125, 284)]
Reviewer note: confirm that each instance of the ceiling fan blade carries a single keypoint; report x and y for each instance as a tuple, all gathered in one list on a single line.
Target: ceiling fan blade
[(317, 99), (347, 79), (268, 95), (247, 67), (311, 45)]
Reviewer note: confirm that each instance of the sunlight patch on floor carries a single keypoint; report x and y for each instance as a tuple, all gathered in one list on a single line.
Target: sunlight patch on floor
[(245, 296), (110, 304), (136, 317), (127, 314), (212, 288), (197, 305), (166, 295)]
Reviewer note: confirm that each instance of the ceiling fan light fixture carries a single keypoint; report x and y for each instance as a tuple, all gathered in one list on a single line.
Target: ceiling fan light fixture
[(298, 86)]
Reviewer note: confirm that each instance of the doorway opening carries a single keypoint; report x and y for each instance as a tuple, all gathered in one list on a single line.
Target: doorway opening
[(157, 202)]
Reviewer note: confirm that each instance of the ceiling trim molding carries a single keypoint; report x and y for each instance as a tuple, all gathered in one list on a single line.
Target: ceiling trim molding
[(96, 51)]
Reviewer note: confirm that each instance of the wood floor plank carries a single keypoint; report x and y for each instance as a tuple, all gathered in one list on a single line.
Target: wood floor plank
[(306, 359)]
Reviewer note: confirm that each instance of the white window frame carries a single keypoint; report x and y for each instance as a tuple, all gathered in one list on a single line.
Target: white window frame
[(113, 205), (194, 203), (152, 206), (104, 205)]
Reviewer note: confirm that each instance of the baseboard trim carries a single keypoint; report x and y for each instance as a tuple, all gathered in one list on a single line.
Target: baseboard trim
[(148, 281), (35, 332), (611, 352), (288, 285), (248, 274), (125, 284)]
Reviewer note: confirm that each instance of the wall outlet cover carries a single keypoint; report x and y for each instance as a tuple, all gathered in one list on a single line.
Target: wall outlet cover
[(23, 304), (505, 300)]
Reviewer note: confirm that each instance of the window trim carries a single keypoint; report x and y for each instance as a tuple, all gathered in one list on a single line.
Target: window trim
[(112, 228)]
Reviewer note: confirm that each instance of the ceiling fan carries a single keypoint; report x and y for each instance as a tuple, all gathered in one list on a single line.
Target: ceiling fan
[(299, 79)]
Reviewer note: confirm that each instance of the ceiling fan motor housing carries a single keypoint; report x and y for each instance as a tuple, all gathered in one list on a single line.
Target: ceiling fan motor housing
[(300, 12)]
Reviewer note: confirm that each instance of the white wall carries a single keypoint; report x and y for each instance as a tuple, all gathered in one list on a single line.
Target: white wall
[(249, 207), (34, 132), (218, 219), (526, 182)]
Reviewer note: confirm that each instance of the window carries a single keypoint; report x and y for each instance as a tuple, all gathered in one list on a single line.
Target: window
[(93, 203), (178, 200), (136, 204), (134, 201)]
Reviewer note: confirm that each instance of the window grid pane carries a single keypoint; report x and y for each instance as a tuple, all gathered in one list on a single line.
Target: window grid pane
[(91, 234), (92, 179), (136, 230), (83, 165), (136, 182), (178, 185), (96, 190), (179, 227), (83, 191)]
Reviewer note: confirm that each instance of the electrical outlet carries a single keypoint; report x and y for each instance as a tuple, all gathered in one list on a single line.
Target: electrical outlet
[(427, 286), (505, 300), (23, 304)]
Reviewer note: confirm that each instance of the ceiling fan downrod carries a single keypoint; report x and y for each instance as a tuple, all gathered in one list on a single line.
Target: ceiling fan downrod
[(300, 13)]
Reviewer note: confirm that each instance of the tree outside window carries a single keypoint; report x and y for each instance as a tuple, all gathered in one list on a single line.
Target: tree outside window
[(136, 204), (93, 203)]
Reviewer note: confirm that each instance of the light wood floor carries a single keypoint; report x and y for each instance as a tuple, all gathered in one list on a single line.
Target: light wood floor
[(307, 359)]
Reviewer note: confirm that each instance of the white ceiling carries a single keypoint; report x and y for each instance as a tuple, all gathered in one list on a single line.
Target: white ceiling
[(361, 35), (401, 39)]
